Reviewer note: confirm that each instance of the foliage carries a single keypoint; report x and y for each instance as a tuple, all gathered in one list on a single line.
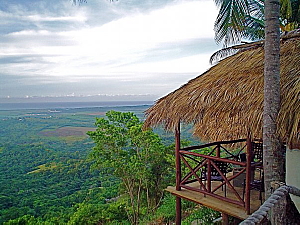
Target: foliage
[(238, 19), (24, 220), (46, 179), (202, 215), (136, 156), (166, 213), (95, 213), (289, 14)]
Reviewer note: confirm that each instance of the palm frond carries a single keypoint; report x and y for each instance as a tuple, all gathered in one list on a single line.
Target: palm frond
[(239, 19), (295, 12), (232, 50), (221, 54), (254, 28), (78, 1), (256, 9), (286, 9), (230, 20)]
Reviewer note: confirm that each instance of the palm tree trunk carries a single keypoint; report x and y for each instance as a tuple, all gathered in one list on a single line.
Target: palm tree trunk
[(273, 154)]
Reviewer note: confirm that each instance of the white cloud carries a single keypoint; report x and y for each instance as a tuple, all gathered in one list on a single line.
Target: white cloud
[(40, 18), (191, 64), (116, 50), (130, 39)]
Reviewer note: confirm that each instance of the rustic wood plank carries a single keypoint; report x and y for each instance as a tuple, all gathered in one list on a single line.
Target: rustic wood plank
[(217, 204)]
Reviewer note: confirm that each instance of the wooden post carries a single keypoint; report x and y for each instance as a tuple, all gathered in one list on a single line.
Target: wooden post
[(178, 211), (178, 173), (225, 219), (248, 174), (208, 175), (177, 157)]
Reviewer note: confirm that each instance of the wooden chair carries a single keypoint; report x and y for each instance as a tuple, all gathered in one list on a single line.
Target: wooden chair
[(257, 166), (257, 152), (258, 185)]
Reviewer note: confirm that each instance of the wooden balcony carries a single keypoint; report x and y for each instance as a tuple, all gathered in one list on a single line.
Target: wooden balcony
[(219, 175), (217, 204)]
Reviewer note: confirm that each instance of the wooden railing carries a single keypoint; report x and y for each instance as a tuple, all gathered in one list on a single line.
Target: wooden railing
[(200, 169)]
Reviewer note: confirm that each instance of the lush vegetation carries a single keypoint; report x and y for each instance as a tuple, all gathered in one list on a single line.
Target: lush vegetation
[(137, 157), (52, 172)]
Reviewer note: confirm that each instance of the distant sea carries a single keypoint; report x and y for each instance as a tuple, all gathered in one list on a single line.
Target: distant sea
[(71, 105)]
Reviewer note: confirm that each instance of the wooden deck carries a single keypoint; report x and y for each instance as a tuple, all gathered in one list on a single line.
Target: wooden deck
[(217, 204)]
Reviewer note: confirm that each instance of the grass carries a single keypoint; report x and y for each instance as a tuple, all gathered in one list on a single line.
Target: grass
[(44, 167)]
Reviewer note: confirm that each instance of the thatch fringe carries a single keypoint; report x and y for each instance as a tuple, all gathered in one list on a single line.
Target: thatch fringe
[(226, 102), (226, 52)]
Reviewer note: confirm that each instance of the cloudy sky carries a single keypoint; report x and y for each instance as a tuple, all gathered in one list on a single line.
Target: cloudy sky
[(125, 47)]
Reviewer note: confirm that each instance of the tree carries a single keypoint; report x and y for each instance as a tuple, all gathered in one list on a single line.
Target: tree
[(239, 19), (231, 25), (135, 156), (272, 151)]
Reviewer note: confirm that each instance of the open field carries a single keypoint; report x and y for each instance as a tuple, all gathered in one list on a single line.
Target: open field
[(67, 131), (43, 167)]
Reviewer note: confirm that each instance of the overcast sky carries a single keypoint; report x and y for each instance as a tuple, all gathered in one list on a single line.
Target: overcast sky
[(125, 47)]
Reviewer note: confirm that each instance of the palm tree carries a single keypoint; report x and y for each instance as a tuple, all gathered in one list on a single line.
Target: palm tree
[(256, 19), (238, 19), (273, 155)]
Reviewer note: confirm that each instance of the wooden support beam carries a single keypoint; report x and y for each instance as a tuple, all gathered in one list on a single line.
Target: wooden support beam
[(177, 157), (248, 174), (225, 219), (178, 211), (209, 176), (178, 173)]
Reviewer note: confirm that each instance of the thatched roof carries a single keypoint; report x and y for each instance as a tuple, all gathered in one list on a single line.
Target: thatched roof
[(226, 102)]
